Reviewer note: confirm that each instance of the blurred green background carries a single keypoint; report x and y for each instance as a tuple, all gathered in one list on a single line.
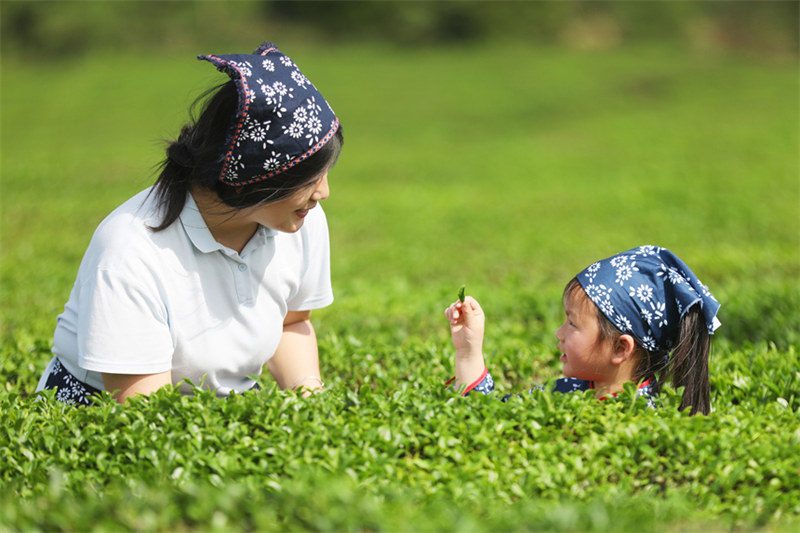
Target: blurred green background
[(81, 28), (504, 145)]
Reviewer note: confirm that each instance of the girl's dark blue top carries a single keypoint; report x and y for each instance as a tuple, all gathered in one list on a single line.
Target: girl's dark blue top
[(485, 385)]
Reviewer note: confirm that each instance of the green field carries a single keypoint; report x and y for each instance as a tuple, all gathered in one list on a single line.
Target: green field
[(507, 168)]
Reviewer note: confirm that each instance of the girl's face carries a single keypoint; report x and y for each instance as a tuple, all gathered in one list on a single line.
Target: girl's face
[(288, 214), (582, 354)]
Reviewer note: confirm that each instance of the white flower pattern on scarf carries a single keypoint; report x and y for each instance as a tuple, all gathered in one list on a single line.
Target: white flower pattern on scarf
[(645, 292), (283, 118)]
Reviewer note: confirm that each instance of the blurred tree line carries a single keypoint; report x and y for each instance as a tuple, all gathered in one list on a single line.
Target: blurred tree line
[(70, 28)]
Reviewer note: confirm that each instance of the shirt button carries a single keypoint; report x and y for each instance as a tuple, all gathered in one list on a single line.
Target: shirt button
[(242, 267)]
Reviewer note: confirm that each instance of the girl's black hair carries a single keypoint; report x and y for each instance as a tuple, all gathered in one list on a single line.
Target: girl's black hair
[(196, 159), (688, 365), (685, 366)]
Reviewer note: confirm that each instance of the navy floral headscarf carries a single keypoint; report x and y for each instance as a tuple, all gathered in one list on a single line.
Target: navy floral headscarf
[(645, 292), (282, 118)]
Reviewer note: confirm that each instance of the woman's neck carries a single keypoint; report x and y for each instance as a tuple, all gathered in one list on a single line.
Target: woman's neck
[(225, 223)]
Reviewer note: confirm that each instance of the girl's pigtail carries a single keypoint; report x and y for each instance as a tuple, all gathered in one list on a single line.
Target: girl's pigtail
[(688, 365)]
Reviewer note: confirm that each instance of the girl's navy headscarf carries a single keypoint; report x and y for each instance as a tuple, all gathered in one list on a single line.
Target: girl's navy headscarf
[(645, 292)]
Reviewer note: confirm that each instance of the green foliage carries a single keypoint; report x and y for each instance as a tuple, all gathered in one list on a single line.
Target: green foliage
[(509, 183), (399, 459)]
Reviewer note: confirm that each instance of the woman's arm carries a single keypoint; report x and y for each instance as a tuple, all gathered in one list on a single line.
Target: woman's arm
[(124, 386), (296, 361)]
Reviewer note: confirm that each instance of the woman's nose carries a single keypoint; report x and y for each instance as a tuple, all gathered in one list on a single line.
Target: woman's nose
[(321, 188)]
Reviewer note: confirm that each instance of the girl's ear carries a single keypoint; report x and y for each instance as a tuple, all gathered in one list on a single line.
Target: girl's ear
[(623, 349)]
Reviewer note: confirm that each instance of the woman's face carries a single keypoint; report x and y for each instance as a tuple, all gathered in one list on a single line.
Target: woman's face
[(287, 215)]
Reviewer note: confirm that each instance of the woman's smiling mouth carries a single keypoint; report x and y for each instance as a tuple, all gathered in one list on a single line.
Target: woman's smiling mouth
[(303, 212)]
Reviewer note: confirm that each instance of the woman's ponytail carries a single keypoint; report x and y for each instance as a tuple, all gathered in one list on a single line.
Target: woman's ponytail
[(688, 364), (175, 178), (194, 158)]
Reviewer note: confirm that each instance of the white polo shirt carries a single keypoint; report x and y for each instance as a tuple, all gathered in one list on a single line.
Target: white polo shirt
[(146, 302)]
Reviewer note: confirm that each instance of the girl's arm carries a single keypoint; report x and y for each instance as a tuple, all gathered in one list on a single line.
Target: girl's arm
[(466, 328), (125, 385), (296, 361)]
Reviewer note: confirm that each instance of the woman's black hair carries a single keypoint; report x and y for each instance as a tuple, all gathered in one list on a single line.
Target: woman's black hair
[(195, 160), (685, 366)]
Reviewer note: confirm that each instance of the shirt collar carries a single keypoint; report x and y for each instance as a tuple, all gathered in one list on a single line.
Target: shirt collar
[(258, 240), (204, 241)]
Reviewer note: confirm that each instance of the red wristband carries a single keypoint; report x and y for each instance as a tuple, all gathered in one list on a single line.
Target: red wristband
[(473, 384)]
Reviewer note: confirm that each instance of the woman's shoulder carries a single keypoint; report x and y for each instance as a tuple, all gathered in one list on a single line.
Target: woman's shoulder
[(125, 232), (137, 211)]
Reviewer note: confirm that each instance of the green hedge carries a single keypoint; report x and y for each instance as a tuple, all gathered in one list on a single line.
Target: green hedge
[(410, 457)]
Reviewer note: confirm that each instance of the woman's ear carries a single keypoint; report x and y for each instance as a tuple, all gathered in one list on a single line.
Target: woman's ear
[(623, 349)]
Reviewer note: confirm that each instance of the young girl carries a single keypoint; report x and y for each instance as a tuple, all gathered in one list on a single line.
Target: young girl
[(640, 316), (214, 271)]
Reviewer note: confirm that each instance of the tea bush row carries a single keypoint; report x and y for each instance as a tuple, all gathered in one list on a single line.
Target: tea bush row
[(398, 456)]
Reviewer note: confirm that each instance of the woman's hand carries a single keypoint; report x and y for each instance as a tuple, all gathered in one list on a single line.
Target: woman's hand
[(466, 328)]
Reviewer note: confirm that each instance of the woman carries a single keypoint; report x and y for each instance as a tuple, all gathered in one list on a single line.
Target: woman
[(214, 271)]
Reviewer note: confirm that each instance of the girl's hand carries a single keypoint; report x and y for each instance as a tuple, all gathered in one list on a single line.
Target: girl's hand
[(466, 328), (466, 325)]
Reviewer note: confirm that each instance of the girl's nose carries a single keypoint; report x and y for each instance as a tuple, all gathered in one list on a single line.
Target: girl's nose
[(321, 189), (559, 336)]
